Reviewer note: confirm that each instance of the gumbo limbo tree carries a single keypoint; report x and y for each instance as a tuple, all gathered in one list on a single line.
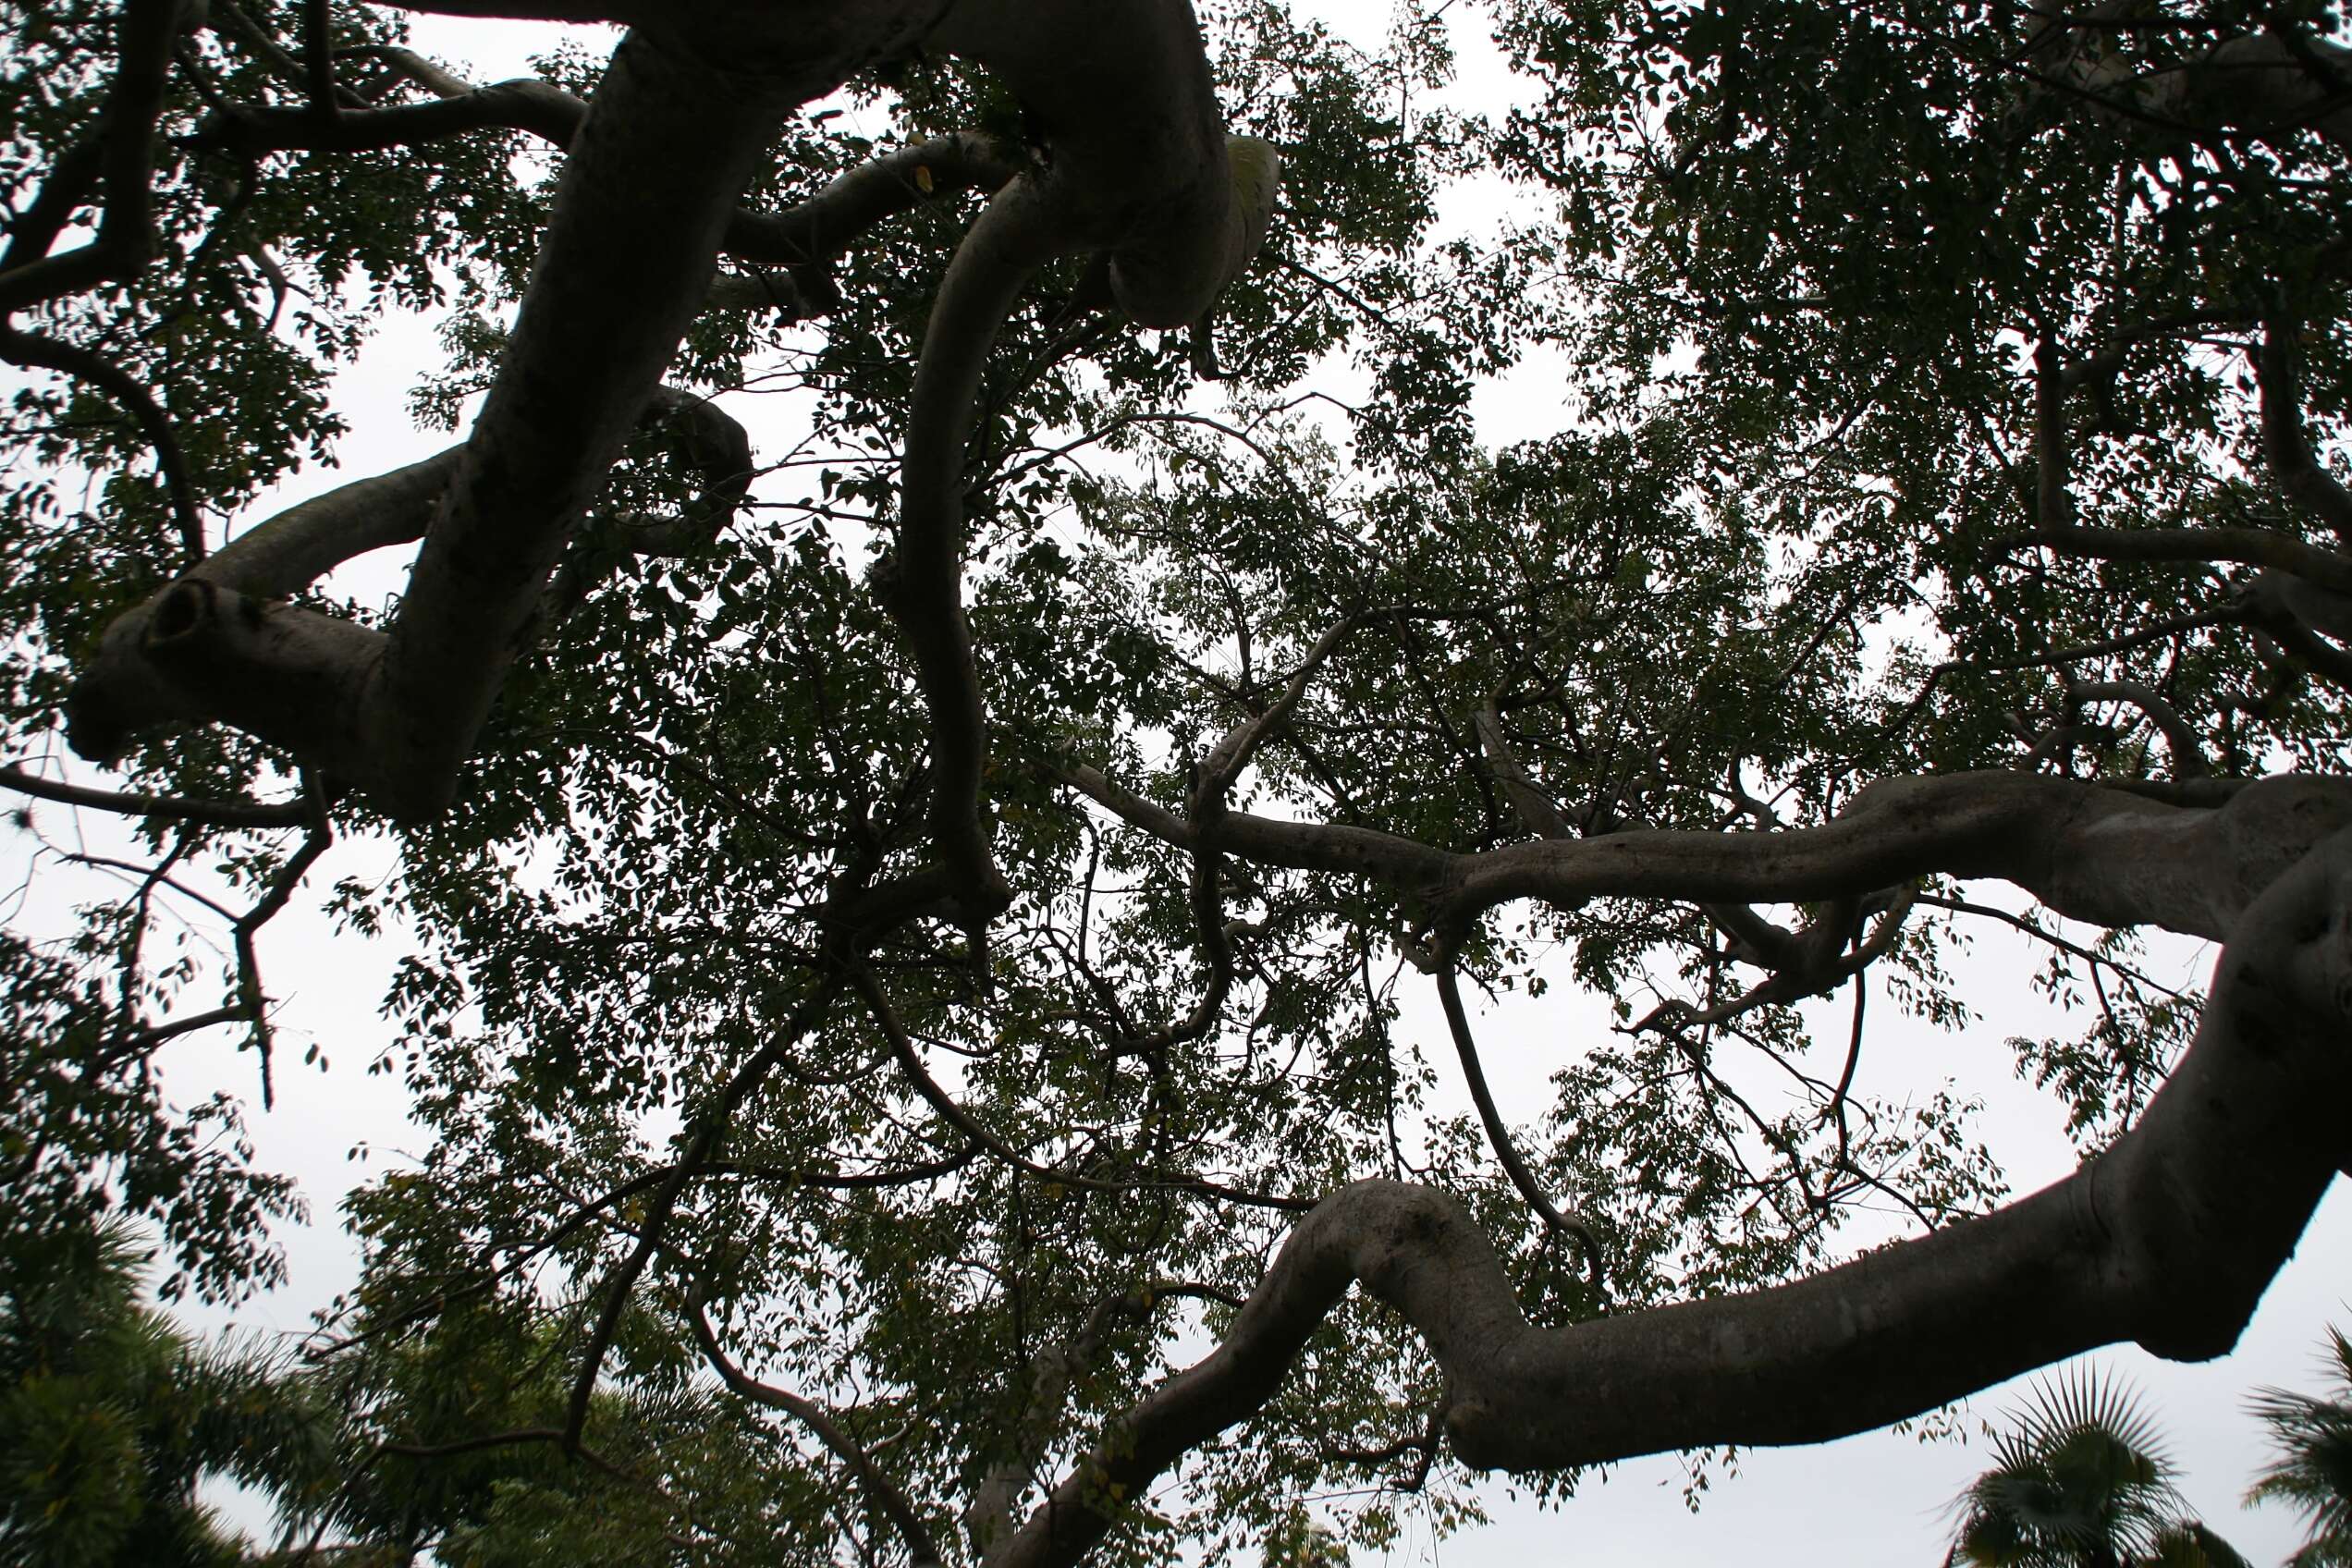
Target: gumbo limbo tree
[(943, 791)]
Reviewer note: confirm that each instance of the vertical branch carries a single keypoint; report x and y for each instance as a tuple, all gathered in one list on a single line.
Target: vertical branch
[(2286, 447), (318, 59), (921, 583), (249, 970), (2054, 496)]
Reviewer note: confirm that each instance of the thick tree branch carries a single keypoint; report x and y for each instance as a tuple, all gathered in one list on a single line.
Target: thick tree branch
[(1139, 170), (2272, 83), (661, 156), (137, 680), (1120, 91), (2215, 1182), (2254, 547), (920, 583), (2090, 852)]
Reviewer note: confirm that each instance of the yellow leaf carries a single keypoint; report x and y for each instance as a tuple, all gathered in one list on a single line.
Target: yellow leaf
[(923, 178)]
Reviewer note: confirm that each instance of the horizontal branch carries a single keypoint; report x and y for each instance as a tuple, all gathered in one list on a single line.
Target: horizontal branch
[(2109, 856), (817, 230), (181, 808), (2250, 547)]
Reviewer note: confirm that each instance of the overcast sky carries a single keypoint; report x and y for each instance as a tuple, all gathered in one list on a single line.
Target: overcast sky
[(1877, 1499)]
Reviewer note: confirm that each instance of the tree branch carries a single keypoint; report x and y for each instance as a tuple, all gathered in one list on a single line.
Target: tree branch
[(885, 1494), (47, 353), (2094, 853), (125, 238), (2216, 1181), (2285, 447), (1498, 1132), (212, 813), (2188, 755)]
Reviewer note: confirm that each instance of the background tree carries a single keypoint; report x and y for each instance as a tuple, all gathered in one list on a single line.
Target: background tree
[(2080, 1480), (913, 911), (110, 1419), (2312, 1469)]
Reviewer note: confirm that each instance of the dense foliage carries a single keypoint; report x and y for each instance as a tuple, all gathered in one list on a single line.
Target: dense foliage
[(1938, 386)]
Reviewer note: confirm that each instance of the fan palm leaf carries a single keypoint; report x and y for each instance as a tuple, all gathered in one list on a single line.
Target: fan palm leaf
[(2313, 1470), (2080, 1479)]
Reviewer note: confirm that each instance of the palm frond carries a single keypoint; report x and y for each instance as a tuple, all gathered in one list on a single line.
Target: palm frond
[(2313, 1468)]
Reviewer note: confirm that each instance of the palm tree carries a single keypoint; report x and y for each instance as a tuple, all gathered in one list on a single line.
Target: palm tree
[(110, 1416), (2081, 1481), (2313, 1470)]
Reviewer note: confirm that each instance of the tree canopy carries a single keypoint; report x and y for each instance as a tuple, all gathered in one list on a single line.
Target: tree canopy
[(969, 679)]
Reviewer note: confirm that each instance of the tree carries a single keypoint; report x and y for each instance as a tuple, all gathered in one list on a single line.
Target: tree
[(914, 908), (2080, 1480), (110, 1419), (2313, 1470)]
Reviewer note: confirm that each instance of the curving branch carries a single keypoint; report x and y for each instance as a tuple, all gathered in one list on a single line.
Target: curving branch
[(2286, 445), (1213, 781), (1497, 1131), (886, 1495), (921, 582), (2273, 83), (1138, 170), (670, 144), (2216, 1180), (2180, 739), (706, 439), (1810, 962), (122, 162), (34, 350), (2110, 856)]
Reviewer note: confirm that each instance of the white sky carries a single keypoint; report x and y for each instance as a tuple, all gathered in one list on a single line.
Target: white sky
[(1874, 1499)]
